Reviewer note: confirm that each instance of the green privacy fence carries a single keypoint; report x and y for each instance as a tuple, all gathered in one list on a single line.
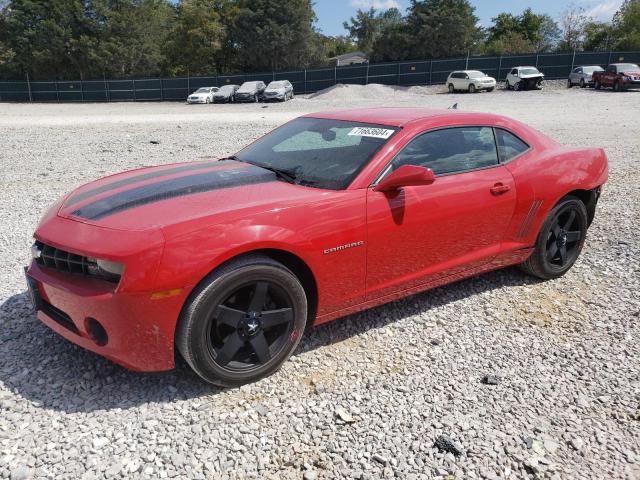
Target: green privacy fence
[(424, 72)]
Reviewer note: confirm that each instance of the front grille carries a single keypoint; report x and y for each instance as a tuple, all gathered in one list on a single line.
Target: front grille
[(63, 261)]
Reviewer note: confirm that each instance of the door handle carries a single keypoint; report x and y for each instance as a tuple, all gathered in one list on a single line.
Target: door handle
[(499, 189)]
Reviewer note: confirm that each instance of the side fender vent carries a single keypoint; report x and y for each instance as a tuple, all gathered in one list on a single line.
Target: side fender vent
[(525, 228)]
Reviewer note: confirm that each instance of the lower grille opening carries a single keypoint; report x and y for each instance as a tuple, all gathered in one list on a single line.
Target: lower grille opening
[(60, 317)]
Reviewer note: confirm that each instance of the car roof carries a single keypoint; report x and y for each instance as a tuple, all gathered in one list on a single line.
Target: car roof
[(401, 116)]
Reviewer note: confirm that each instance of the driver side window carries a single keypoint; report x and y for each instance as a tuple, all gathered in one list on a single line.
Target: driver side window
[(450, 150)]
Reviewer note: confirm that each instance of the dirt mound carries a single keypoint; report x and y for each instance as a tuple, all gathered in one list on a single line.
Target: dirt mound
[(372, 91)]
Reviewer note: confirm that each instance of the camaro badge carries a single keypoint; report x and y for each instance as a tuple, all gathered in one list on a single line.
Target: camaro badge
[(344, 247)]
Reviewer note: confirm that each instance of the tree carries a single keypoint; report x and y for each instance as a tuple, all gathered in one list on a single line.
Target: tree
[(599, 36), (197, 37), (626, 23), (337, 45), (273, 36), (367, 26), (524, 33), (441, 28), (574, 22)]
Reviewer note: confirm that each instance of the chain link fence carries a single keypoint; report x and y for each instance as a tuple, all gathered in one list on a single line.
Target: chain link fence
[(427, 72)]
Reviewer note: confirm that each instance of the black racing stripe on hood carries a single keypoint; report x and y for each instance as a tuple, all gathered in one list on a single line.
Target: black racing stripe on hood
[(139, 178), (175, 187)]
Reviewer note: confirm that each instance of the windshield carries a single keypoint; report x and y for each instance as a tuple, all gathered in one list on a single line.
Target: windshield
[(319, 152), (628, 67), (276, 85), (476, 74), (592, 69), (203, 90), (248, 86), (529, 71)]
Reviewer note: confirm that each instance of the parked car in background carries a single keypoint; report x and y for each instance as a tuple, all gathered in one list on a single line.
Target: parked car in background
[(250, 92), (470, 81), (619, 76), (524, 78), (279, 90), (202, 95), (225, 94), (583, 76)]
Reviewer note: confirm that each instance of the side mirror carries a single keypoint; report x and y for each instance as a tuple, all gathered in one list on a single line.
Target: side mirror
[(406, 176)]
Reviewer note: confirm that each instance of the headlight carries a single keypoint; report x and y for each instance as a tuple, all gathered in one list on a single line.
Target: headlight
[(105, 269)]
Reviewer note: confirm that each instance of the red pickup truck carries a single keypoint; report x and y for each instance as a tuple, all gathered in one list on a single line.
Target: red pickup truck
[(619, 76)]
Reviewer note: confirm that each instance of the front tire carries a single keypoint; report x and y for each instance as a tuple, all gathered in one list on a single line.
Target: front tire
[(582, 84), (560, 240), (472, 88), (242, 322), (616, 86)]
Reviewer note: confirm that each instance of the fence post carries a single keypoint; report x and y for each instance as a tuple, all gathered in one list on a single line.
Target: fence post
[(366, 82), (398, 75), (335, 75), (134, 89), (537, 60), (188, 83), (161, 90), (81, 90), (609, 61), (305, 80), (430, 70), (466, 63), (573, 60), (106, 87), (29, 88), (499, 67), (57, 92)]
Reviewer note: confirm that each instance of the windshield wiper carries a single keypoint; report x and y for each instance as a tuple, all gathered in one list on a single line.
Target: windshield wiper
[(287, 175)]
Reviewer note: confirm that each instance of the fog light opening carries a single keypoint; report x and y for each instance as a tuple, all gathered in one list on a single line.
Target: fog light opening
[(97, 332)]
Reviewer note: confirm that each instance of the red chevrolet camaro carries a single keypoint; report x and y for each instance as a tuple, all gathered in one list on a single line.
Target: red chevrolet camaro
[(230, 260)]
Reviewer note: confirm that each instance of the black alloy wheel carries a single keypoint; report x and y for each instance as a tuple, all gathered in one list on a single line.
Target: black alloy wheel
[(250, 326), (560, 240), (243, 321)]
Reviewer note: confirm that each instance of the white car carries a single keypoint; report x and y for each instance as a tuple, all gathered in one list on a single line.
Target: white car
[(524, 78), (281, 90), (470, 81), (202, 95)]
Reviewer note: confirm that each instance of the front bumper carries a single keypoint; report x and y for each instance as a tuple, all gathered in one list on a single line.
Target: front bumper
[(196, 100), (139, 329), (221, 99), (485, 86), (245, 98)]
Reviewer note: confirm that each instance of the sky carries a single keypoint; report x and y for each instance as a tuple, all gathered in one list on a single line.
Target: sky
[(331, 13)]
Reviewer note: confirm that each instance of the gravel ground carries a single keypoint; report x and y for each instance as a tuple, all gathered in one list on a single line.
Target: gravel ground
[(523, 378)]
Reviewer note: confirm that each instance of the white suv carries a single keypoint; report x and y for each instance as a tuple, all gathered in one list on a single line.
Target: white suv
[(470, 81)]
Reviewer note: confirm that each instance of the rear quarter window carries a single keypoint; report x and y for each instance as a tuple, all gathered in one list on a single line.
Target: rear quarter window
[(509, 146)]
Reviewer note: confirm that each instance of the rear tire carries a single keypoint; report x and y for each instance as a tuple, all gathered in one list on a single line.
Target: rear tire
[(507, 85), (451, 88), (569, 84), (516, 87), (242, 322), (597, 85), (560, 240)]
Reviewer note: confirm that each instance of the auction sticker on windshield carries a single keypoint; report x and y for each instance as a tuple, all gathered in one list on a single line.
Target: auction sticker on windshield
[(371, 132)]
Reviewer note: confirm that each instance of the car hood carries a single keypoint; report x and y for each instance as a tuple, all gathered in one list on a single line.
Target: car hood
[(158, 197), (275, 90), (198, 95), (247, 90), (483, 78), (532, 75), (222, 94), (633, 73)]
